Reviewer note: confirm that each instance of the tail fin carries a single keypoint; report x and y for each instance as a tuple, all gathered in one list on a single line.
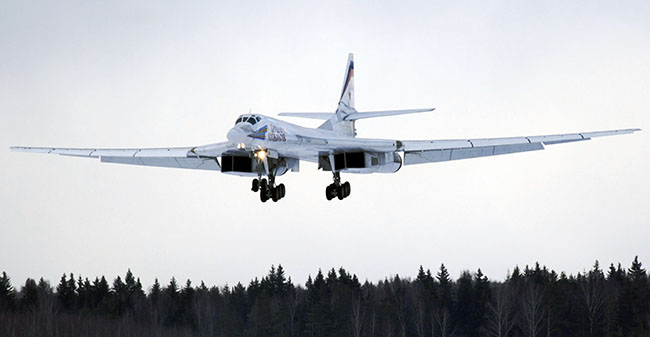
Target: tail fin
[(342, 121), (337, 121), (346, 102)]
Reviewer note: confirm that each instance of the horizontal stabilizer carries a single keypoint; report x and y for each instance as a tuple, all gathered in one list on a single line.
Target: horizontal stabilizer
[(371, 114), (312, 115), (353, 116)]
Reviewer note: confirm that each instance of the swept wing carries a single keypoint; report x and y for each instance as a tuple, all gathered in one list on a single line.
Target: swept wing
[(198, 157), (430, 151)]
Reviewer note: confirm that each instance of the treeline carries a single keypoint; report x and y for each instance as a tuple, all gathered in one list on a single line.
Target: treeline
[(531, 302)]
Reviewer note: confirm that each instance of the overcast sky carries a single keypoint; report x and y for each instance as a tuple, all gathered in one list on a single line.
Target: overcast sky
[(174, 73)]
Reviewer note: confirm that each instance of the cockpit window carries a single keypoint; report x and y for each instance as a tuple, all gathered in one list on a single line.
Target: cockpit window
[(248, 119)]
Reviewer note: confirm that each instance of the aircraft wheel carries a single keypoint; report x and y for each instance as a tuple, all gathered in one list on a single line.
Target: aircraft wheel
[(346, 189), (264, 196), (264, 184), (340, 192), (282, 190), (275, 194), (329, 192), (256, 185)]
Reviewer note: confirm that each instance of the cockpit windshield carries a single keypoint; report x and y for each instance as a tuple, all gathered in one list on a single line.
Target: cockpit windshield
[(250, 119)]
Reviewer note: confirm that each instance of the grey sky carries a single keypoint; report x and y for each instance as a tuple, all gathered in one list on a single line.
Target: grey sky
[(152, 73)]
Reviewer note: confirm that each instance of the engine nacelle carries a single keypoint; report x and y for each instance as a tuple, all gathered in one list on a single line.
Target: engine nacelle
[(363, 162), (244, 164)]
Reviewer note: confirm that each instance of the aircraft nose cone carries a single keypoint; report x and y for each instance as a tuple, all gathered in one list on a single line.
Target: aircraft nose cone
[(237, 135)]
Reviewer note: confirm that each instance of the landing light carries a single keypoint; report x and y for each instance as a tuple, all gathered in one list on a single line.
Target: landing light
[(261, 154), (241, 146)]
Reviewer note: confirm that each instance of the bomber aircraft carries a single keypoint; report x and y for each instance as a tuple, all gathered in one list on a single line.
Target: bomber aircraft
[(264, 147)]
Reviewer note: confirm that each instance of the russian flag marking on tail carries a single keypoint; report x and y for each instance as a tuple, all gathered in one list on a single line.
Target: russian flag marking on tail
[(347, 94)]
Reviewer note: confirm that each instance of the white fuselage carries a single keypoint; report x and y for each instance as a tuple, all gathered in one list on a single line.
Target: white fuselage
[(297, 141)]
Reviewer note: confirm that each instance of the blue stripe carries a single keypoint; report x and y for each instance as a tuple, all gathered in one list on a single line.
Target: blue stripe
[(259, 133), (347, 78)]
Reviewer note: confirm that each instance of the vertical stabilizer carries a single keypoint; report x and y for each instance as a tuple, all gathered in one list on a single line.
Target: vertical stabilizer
[(337, 122), (346, 102)]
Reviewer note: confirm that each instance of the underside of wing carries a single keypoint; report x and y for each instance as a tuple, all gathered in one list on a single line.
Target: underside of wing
[(430, 151), (197, 158)]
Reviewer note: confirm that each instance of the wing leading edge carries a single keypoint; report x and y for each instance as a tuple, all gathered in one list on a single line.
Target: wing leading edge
[(197, 158), (431, 151)]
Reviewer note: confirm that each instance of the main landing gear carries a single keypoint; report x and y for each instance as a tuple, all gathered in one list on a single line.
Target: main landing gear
[(268, 190), (336, 189)]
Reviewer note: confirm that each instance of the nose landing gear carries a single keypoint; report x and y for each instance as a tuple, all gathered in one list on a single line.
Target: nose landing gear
[(336, 189)]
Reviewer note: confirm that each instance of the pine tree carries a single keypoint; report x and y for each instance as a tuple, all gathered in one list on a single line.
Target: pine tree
[(65, 292), (482, 295), (73, 296), (465, 302), (638, 297), (425, 295), (130, 286), (187, 304), (132, 290), (82, 293), (443, 312), (101, 298), (171, 304), (318, 321), (279, 283), (155, 292), (155, 303), (7, 294), (120, 296), (241, 306), (445, 287), (29, 296), (44, 288)]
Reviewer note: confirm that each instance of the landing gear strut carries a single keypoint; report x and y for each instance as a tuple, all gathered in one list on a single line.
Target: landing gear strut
[(336, 189)]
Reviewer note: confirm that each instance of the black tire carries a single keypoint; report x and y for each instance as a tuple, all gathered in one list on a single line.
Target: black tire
[(340, 192), (256, 185), (328, 192), (275, 193), (347, 189), (263, 196), (264, 184), (283, 190)]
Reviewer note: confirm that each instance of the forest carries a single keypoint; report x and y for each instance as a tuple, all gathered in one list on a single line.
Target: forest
[(533, 301)]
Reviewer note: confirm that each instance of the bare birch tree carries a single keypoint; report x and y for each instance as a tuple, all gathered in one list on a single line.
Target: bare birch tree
[(500, 318), (593, 295), (356, 317), (532, 310), (418, 299), (443, 319)]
